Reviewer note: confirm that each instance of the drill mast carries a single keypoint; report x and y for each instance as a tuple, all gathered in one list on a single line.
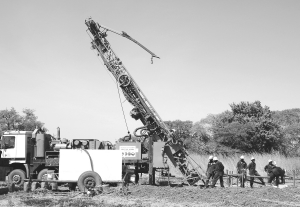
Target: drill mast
[(143, 110)]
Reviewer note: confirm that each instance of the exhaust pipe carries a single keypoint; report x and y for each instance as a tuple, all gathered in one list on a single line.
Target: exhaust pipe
[(58, 133)]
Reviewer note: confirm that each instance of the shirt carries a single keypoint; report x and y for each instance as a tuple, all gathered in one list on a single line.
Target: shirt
[(241, 165), (218, 167), (269, 167), (210, 167), (252, 168)]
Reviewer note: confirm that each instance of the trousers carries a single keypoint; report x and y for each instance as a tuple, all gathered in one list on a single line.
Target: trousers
[(272, 177), (242, 178), (217, 176), (209, 176)]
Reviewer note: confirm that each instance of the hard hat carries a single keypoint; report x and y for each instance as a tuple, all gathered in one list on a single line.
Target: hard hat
[(215, 158), (270, 160), (252, 158), (242, 157), (210, 157)]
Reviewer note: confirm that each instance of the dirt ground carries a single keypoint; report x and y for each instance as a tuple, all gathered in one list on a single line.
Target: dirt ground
[(161, 196)]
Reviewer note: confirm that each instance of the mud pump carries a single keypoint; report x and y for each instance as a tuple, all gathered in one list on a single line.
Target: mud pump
[(153, 126)]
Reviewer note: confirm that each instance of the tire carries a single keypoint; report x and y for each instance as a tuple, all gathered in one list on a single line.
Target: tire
[(87, 180), (17, 177), (42, 174)]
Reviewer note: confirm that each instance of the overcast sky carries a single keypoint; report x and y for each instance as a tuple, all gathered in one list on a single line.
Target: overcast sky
[(213, 53)]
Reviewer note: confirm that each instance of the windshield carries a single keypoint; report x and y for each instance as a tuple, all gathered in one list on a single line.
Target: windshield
[(8, 142)]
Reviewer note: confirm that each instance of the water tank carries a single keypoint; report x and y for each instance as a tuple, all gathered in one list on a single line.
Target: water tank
[(40, 145)]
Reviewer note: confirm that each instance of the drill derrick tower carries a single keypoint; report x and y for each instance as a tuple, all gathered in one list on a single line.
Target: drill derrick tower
[(153, 125)]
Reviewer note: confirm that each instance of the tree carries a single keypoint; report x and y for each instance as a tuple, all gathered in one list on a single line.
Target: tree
[(182, 128), (287, 117), (30, 121), (182, 131), (248, 127), (198, 142), (289, 120), (12, 120)]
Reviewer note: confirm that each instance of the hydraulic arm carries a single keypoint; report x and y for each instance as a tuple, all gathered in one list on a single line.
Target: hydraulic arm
[(143, 110)]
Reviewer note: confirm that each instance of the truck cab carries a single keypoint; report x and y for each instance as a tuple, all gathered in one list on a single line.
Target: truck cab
[(22, 154), (15, 146), (15, 150)]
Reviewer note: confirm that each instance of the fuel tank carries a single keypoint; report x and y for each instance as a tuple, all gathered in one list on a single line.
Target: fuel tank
[(40, 145)]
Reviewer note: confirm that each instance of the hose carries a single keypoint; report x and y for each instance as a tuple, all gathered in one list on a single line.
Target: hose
[(140, 128), (91, 161)]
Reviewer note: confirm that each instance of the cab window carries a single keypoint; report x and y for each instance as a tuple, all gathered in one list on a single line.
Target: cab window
[(8, 142)]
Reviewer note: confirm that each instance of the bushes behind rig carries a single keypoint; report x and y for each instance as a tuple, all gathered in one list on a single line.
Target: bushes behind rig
[(246, 128)]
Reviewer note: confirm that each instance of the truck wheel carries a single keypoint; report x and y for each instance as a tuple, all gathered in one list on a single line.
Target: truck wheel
[(88, 179), (17, 177), (42, 174)]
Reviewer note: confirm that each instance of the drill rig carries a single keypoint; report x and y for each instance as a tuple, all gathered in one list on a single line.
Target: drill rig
[(153, 125)]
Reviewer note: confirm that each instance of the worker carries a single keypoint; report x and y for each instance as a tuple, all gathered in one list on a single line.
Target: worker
[(280, 171), (275, 173), (281, 174), (209, 170), (268, 168), (253, 172), (218, 171), (242, 170)]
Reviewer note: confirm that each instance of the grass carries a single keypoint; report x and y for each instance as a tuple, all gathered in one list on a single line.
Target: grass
[(79, 202), (41, 198), (65, 202), (229, 162)]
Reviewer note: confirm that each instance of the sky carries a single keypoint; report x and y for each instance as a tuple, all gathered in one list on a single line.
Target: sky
[(212, 53)]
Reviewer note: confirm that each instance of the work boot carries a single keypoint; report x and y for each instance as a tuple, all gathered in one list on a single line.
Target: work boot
[(222, 184)]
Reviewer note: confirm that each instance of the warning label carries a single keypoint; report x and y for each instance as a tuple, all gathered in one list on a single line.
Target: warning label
[(129, 151)]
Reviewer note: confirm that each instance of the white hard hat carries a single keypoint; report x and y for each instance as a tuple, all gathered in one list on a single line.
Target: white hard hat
[(242, 157), (215, 158), (210, 157), (270, 160), (252, 158)]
